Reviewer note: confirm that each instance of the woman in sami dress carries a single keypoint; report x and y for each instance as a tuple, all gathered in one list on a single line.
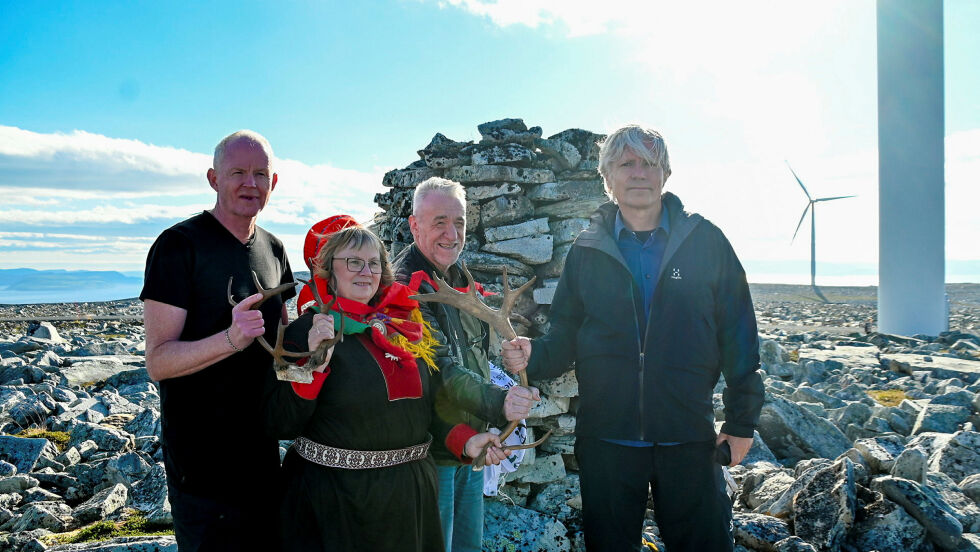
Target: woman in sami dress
[(358, 476)]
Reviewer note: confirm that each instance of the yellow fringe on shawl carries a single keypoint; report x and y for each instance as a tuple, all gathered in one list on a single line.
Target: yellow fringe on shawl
[(424, 349)]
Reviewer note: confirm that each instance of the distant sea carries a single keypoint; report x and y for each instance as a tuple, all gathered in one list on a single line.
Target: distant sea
[(26, 286)]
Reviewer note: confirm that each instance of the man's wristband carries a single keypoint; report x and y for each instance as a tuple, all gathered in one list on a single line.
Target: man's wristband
[(228, 337)]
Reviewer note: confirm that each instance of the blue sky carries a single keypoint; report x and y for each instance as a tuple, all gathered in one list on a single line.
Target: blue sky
[(109, 112)]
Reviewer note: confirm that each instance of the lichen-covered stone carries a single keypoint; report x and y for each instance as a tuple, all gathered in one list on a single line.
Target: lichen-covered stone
[(943, 529), (532, 250)]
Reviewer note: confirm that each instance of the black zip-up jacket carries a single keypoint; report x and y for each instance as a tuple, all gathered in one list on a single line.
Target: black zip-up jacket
[(655, 387), (463, 392)]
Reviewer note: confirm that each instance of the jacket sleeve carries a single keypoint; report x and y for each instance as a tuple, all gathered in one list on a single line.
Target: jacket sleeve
[(451, 436), (738, 341), (468, 390), (288, 406), (553, 353)]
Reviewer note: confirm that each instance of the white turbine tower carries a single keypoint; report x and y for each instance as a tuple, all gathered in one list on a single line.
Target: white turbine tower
[(811, 207)]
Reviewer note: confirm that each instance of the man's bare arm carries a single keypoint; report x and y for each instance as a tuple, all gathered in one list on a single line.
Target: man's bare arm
[(168, 357)]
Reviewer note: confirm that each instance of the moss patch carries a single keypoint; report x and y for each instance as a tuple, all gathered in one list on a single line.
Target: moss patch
[(59, 438), (888, 397), (133, 526)]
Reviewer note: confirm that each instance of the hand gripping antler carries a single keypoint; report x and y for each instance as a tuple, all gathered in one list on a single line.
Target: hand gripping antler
[(320, 354), (278, 353), (499, 320)]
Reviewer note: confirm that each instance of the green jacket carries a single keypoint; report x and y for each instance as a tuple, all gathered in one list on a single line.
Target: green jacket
[(463, 390)]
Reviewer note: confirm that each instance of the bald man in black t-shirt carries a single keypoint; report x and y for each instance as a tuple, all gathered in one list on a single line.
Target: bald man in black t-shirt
[(222, 471)]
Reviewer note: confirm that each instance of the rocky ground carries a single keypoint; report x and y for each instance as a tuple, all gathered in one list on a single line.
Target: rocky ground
[(867, 441)]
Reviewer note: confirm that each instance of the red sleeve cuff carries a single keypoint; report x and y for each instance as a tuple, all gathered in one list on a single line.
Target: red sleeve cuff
[(310, 391), (456, 441)]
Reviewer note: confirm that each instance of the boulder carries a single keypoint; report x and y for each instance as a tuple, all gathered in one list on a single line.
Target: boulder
[(102, 505), (518, 529), (502, 154), (941, 418), (45, 330), (53, 516), (505, 210), (566, 190), (791, 431), (566, 230), (544, 469), (495, 264), (407, 178), (528, 228), (106, 438), (950, 494), (532, 250), (759, 532), (959, 456), (971, 486), (884, 525), (17, 483), (483, 193), (22, 452), (942, 528), (149, 495), (911, 464), (880, 452), (825, 507), (570, 208), (467, 174)]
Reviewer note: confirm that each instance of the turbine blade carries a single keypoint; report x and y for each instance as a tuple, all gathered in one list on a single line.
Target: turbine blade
[(832, 198), (808, 205), (800, 181)]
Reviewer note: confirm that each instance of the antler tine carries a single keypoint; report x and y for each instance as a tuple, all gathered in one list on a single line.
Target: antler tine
[(278, 352), (231, 299), (510, 298), (268, 293), (470, 282)]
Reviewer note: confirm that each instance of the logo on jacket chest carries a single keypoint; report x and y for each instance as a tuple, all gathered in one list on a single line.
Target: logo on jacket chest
[(675, 274)]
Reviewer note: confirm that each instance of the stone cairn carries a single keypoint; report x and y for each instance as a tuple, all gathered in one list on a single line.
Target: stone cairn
[(527, 198)]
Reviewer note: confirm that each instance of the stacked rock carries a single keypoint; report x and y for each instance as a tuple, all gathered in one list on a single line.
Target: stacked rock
[(527, 198)]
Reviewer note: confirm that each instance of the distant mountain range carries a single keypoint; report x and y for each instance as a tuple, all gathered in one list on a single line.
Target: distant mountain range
[(28, 279)]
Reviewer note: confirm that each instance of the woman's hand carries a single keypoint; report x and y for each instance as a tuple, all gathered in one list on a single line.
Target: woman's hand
[(475, 445), (321, 330)]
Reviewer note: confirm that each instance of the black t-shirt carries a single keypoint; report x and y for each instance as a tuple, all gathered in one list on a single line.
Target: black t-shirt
[(212, 439)]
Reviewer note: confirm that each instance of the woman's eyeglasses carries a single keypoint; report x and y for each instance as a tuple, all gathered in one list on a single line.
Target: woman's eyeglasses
[(355, 264)]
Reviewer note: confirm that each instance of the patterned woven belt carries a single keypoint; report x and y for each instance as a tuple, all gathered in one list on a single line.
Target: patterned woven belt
[(332, 457)]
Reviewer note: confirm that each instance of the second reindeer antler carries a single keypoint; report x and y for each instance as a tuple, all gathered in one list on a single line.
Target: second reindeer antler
[(499, 320)]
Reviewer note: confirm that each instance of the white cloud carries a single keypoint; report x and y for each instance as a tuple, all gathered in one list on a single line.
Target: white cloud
[(84, 161), (100, 214), (115, 178)]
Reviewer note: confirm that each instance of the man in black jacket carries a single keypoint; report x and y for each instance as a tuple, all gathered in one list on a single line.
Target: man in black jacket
[(652, 306)]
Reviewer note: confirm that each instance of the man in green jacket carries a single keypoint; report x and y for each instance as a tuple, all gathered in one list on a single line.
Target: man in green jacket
[(652, 306), (464, 392)]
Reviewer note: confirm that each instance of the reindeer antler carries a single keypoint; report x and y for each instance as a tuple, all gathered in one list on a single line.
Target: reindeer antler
[(499, 320), (277, 352)]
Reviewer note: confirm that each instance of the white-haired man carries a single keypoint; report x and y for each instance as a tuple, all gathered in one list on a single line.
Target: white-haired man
[(652, 306), (222, 471), (464, 394)]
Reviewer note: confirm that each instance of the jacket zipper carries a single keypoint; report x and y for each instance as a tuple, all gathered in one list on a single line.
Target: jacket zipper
[(640, 346)]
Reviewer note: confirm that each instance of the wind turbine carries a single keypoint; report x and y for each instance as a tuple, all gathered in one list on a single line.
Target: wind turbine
[(811, 207)]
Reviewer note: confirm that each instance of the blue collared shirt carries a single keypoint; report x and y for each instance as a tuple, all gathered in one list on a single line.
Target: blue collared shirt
[(643, 258)]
